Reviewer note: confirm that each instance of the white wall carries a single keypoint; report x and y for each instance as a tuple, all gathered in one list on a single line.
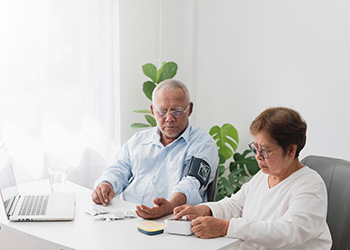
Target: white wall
[(151, 31), (240, 57), (257, 54)]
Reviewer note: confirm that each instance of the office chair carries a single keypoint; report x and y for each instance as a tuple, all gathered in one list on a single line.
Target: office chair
[(336, 175), (211, 190)]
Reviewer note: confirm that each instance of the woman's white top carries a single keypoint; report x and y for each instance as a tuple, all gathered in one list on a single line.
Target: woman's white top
[(290, 215)]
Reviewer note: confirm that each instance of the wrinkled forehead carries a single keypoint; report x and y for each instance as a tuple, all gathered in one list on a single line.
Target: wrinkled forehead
[(170, 99), (262, 139)]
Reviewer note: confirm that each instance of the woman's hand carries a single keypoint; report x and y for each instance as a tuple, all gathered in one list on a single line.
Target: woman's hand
[(209, 227), (191, 212)]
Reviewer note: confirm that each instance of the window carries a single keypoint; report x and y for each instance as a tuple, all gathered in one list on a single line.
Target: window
[(59, 81)]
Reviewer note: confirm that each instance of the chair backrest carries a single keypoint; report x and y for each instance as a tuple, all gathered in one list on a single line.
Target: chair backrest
[(336, 175), (211, 190)]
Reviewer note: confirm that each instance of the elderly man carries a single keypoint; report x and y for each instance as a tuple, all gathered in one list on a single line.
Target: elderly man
[(163, 167)]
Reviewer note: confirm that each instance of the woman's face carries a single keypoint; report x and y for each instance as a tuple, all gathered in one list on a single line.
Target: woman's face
[(277, 163)]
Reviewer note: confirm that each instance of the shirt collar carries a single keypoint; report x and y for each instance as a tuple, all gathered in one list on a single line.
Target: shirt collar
[(186, 134), (155, 138)]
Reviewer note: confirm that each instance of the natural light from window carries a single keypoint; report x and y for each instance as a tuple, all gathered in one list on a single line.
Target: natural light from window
[(48, 82)]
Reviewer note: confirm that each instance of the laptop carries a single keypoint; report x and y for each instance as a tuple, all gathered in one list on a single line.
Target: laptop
[(55, 206)]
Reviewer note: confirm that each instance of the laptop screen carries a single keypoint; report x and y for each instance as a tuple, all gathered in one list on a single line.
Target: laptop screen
[(8, 184)]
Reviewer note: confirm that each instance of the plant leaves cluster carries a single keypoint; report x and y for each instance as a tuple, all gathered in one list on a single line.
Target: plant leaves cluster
[(231, 178), (166, 71)]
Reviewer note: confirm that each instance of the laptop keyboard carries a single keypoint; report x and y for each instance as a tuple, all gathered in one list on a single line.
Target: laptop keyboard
[(34, 205)]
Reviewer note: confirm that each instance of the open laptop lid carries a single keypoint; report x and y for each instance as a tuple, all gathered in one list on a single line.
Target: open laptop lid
[(8, 185), (60, 206)]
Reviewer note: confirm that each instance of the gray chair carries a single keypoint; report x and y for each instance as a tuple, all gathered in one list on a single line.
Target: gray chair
[(336, 175), (211, 190)]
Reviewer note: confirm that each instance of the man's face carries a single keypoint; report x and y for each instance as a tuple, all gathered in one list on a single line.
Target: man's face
[(171, 111)]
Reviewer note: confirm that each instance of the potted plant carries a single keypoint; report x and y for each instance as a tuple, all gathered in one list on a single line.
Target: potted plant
[(234, 168)]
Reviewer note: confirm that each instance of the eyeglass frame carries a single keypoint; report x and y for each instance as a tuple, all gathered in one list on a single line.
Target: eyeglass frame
[(173, 112), (263, 152)]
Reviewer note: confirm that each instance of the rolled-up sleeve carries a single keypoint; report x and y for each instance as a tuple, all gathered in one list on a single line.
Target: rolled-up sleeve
[(190, 187), (119, 172), (203, 148)]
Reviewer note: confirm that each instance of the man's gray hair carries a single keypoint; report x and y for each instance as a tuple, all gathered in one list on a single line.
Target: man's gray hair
[(169, 85)]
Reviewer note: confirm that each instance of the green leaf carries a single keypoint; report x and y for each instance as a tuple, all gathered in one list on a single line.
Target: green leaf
[(167, 71), (150, 70), (148, 88), (139, 125), (160, 71), (226, 139), (219, 194), (143, 111), (238, 157), (236, 180), (221, 159), (222, 170), (232, 166), (228, 188), (245, 161), (235, 173), (150, 119), (235, 183)]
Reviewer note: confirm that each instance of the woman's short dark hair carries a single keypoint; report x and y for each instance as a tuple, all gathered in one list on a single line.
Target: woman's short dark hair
[(285, 126)]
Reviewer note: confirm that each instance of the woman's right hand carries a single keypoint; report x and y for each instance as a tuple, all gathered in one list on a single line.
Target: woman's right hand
[(191, 212)]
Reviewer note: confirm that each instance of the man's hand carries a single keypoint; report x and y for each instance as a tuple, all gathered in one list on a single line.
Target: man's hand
[(103, 193), (209, 227), (161, 207), (191, 212)]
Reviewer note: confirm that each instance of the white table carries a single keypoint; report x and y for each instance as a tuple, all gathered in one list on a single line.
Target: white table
[(85, 232)]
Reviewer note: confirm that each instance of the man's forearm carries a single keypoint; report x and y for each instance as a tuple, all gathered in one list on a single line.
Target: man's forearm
[(177, 199)]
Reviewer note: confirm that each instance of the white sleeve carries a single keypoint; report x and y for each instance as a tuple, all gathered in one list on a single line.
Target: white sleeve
[(228, 208)]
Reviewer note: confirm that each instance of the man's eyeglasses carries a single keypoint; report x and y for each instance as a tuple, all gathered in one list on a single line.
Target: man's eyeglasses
[(263, 152), (177, 113)]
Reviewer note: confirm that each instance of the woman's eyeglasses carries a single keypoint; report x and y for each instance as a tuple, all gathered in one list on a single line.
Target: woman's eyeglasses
[(263, 152)]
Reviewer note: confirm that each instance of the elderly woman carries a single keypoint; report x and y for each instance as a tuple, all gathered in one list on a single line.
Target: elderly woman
[(284, 206)]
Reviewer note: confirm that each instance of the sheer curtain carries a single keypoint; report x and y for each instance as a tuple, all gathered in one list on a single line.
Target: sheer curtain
[(59, 86)]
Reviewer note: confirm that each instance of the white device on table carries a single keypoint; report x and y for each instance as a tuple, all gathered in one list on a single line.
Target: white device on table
[(181, 226), (54, 206)]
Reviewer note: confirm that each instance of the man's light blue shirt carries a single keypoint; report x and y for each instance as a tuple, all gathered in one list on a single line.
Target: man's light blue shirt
[(144, 169)]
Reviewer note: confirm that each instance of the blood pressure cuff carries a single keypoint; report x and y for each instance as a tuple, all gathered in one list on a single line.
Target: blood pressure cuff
[(199, 169)]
